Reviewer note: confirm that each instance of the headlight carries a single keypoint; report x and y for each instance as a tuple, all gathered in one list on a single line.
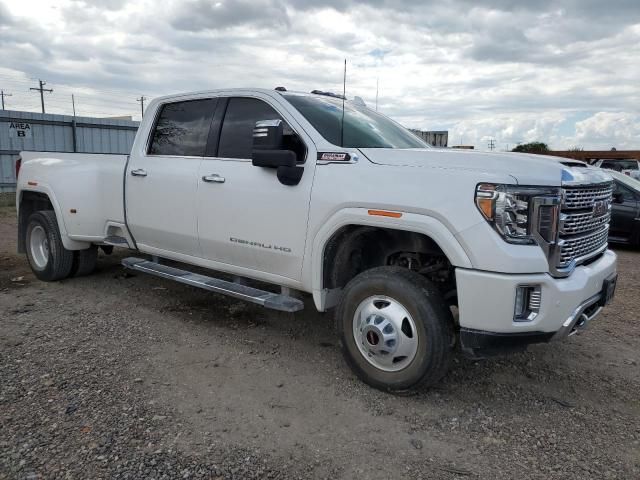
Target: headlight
[(519, 214)]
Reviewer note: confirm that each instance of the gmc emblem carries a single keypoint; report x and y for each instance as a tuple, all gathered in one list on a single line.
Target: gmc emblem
[(601, 207)]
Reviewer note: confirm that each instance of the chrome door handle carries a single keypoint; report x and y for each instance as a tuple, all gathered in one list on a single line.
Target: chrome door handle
[(215, 178), (139, 173)]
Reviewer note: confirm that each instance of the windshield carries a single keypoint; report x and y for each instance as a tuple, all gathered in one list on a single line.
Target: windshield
[(626, 179), (363, 128)]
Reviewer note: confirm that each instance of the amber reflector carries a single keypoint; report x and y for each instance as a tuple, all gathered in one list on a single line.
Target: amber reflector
[(385, 213)]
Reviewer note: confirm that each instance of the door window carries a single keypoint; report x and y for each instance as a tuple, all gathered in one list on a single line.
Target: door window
[(182, 128), (236, 137), (625, 192)]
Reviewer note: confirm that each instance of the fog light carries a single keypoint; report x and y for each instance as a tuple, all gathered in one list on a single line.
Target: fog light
[(527, 304)]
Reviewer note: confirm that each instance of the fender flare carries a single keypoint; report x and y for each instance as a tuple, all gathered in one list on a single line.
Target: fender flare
[(411, 222), (67, 242)]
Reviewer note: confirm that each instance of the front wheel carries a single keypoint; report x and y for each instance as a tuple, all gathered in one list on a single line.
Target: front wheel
[(395, 329), (47, 257)]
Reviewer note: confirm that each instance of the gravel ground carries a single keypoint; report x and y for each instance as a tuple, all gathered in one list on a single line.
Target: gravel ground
[(120, 376)]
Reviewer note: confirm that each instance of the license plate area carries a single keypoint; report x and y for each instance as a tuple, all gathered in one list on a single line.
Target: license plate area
[(608, 290)]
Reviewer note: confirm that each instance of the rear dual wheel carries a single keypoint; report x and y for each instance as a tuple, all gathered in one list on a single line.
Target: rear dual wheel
[(395, 329), (48, 258)]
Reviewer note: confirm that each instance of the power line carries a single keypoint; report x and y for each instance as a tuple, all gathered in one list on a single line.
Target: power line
[(2, 95), (41, 89), (23, 81), (115, 102)]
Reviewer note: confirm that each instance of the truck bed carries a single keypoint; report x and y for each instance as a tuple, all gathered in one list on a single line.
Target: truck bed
[(87, 190)]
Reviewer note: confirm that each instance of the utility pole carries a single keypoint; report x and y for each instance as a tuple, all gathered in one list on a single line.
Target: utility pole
[(2, 95), (73, 104), (41, 89), (492, 144), (141, 100)]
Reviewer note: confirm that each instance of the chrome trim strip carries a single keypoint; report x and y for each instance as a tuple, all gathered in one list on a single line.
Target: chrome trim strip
[(578, 319)]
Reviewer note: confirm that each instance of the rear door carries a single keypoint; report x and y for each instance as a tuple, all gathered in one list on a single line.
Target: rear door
[(162, 183), (246, 217)]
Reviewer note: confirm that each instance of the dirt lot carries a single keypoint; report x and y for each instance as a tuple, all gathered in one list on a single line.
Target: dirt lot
[(118, 376)]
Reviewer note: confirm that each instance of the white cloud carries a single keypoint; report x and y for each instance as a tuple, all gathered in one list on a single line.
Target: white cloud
[(610, 129), (536, 70)]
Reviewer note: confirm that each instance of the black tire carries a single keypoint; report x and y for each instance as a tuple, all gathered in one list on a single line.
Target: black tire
[(58, 262), (433, 325), (84, 261)]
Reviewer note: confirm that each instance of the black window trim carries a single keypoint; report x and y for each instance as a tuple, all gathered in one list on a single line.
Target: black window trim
[(156, 119), (213, 139), (218, 126)]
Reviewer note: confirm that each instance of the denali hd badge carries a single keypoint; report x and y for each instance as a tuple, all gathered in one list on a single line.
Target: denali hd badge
[(268, 246), (334, 157)]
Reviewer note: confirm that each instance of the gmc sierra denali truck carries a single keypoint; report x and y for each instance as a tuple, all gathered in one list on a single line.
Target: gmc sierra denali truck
[(418, 250)]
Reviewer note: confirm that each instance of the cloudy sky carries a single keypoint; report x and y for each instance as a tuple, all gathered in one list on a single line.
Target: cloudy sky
[(566, 72)]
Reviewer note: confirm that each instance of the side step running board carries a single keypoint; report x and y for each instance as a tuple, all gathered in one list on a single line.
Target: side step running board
[(270, 300)]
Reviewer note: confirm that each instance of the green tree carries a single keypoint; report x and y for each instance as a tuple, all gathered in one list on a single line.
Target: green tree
[(533, 147)]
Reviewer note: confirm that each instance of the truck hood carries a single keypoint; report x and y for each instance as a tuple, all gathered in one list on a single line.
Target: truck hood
[(526, 169)]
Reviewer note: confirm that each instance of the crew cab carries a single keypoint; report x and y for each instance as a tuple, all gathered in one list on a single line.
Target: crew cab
[(417, 250)]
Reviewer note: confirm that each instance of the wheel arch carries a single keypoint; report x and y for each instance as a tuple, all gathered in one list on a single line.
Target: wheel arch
[(412, 231), (30, 201)]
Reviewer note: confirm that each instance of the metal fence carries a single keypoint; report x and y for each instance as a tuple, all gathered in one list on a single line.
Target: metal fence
[(58, 133)]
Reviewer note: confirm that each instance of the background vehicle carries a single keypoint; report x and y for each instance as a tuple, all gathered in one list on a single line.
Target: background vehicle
[(313, 193), (628, 167), (625, 210)]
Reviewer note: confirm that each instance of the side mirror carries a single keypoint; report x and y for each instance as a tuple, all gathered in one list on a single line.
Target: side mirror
[(268, 151), (268, 135), (618, 197)]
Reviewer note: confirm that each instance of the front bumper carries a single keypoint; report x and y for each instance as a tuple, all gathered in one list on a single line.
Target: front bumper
[(487, 304)]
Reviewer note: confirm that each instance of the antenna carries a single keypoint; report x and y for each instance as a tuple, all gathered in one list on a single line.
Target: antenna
[(344, 95)]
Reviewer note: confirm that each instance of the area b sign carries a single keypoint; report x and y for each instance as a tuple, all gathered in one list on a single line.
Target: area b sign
[(19, 130)]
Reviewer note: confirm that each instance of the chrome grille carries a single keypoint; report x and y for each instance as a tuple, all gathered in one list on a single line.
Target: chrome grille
[(580, 247), (583, 233), (585, 197), (573, 223)]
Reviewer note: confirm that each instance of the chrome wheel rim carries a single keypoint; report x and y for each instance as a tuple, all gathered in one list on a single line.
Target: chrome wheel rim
[(385, 333), (39, 247)]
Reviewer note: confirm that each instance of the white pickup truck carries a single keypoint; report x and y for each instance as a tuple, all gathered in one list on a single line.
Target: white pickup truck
[(419, 250)]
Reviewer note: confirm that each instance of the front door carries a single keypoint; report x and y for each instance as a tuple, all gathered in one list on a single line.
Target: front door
[(246, 217), (161, 184)]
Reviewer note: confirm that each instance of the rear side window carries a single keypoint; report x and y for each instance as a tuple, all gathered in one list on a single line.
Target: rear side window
[(236, 136), (182, 128)]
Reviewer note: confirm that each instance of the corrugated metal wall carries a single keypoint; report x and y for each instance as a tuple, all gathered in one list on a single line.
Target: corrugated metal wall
[(55, 133), (438, 138)]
